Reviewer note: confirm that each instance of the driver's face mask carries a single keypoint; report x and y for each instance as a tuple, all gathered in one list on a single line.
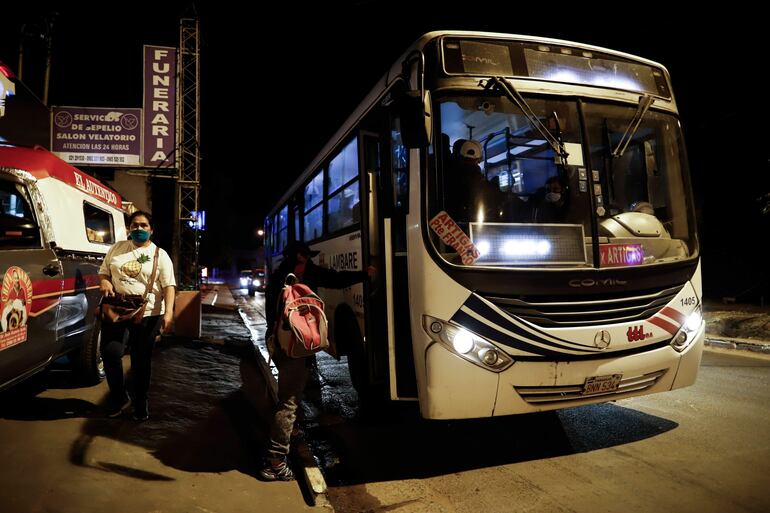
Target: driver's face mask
[(553, 197)]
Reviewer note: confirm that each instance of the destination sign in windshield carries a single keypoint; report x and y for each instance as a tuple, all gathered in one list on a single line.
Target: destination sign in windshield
[(557, 63)]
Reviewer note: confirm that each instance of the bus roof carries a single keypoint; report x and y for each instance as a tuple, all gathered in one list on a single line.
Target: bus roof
[(393, 73), (42, 164)]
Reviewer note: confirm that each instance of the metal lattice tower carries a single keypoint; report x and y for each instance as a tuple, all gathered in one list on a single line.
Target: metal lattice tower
[(186, 240)]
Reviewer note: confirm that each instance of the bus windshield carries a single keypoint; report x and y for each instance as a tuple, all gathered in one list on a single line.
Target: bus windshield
[(498, 185)]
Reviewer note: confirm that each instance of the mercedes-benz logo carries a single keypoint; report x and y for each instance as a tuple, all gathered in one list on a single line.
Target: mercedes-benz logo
[(602, 339)]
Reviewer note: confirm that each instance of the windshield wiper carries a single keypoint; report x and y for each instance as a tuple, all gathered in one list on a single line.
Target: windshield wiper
[(644, 104), (502, 85)]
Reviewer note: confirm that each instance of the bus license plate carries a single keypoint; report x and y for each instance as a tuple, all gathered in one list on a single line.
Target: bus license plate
[(601, 384)]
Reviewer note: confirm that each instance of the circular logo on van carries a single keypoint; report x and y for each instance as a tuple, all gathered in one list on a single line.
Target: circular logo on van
[(15, 305)]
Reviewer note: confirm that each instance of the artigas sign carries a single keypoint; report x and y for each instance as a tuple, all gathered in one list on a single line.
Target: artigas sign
[(159, 106)]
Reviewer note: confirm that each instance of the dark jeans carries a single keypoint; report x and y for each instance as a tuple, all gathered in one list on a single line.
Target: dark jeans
[(292, 378), (141, 338)]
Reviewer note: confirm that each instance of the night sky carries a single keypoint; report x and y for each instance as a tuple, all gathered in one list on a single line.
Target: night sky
[(278, 82)]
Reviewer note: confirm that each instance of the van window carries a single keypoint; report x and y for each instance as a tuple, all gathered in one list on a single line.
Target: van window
[(18, 228), (99, 227)]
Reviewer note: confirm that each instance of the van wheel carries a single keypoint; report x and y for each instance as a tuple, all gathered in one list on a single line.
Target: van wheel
[(252, 292), (90, 364)]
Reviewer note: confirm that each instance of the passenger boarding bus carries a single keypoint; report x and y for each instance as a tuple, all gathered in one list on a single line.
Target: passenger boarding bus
[(528, 206)]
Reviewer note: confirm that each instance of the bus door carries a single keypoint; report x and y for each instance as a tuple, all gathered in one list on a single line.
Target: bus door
[(387, 313), (28, 319)]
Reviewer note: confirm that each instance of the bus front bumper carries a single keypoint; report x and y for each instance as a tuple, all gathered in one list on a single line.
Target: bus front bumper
[(457, 389), (541, 386)]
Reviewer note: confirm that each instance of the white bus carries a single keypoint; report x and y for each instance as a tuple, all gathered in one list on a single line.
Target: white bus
[(528, 206)]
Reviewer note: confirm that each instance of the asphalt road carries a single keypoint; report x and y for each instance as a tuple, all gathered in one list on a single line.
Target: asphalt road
[(701, 449)]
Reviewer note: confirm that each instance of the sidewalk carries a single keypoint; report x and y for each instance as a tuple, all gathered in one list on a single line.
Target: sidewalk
[(737, 326), (217, 295)]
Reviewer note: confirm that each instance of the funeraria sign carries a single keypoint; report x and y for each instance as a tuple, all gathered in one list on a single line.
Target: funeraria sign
[(159, 106)]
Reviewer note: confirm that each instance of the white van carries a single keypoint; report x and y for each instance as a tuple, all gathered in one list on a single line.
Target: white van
[(56, 225)]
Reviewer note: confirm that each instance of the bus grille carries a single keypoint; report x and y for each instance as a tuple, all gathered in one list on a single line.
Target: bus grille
[(555, 394), (579, 312)]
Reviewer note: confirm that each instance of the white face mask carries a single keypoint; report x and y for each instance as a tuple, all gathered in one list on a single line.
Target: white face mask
[(553, 197)]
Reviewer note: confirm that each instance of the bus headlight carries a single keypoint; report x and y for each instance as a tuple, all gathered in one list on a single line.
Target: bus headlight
[(463, 342), (467, 345), (693, 322), (687, 333), (256, 283)]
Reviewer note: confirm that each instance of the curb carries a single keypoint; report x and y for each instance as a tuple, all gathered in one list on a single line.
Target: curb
[(740, 344), (311, 474)]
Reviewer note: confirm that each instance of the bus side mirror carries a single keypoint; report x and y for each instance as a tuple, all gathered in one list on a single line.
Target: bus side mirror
[(416, 119)]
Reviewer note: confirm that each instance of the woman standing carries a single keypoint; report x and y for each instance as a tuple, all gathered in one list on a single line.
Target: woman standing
[(127, 269)]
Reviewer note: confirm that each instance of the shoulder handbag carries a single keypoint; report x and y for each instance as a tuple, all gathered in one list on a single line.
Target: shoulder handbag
[(124, 307)]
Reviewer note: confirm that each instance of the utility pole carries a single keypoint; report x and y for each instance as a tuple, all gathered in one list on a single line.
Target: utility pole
[(187, 227), (22, 35), (42, 32), (49, 20)]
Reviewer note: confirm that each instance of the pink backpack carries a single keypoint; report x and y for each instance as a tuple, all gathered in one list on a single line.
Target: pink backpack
[(302, 326)]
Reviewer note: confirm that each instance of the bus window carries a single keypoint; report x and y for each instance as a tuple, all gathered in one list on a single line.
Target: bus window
[(344, 204), (344, 167), (314, 223), (314, 192), (344, 208), (283, 231), (643, 185), (400, 159), (314, 207), (296, 235), (499, 182)]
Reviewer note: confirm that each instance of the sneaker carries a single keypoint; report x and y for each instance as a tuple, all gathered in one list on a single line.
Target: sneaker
[(276, 472), (116, 410)]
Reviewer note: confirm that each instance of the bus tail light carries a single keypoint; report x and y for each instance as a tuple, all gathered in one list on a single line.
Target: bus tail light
[(467, 345), (687, 333)]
